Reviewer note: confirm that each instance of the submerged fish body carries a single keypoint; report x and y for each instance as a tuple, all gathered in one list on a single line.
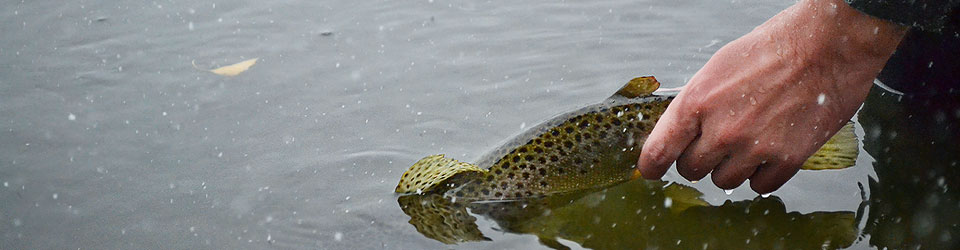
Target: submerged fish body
[(635, 214), (595, 146), (644, 214)]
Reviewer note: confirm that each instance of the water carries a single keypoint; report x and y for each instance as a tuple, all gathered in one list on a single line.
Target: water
[(110, 138)]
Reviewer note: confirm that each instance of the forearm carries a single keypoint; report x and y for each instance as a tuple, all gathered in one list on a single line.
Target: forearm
[(928, 15), (832, 26)]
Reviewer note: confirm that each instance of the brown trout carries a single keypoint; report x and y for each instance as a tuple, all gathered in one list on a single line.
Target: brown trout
[(595, 146)]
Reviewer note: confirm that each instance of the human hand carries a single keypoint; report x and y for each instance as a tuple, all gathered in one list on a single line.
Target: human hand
[(767, 101)]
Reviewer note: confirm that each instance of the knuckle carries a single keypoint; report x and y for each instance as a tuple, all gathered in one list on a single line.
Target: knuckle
[(726, 136), (723, 141), (690, 97), (763, 152), (770, 153)]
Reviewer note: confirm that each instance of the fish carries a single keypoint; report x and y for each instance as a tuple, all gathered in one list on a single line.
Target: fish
[(593, 147)]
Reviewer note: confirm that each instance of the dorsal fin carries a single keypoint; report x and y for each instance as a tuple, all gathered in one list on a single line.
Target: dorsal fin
[(638, 87), (683, 197)]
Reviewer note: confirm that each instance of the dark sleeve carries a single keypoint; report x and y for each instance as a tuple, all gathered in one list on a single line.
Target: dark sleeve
[(929, 15)]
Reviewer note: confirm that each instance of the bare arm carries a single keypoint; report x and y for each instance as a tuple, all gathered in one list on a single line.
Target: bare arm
[(768, 100)]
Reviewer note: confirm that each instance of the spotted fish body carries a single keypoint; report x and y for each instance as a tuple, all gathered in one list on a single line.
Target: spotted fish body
[(594, 146)]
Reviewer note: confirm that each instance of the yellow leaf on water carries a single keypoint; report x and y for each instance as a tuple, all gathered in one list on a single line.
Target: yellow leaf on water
[(235, 69)]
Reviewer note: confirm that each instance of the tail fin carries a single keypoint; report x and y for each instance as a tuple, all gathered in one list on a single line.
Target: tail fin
[(435, 172), (440, 219), (838, 153)]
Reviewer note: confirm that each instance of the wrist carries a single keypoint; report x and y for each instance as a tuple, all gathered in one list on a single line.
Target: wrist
[(844, 30)]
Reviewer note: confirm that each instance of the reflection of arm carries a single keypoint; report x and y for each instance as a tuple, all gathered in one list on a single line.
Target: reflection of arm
[(924, 14)]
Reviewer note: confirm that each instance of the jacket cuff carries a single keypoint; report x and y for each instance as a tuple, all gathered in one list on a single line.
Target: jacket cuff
[(928, 15)]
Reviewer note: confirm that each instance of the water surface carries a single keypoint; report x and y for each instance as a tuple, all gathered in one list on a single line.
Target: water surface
[(110, 138)]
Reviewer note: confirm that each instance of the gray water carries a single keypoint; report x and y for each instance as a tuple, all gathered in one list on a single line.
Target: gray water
[(111, 139)]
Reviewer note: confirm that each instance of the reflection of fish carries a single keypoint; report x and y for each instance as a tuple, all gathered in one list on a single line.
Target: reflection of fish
[(595, 146), (636, 214)]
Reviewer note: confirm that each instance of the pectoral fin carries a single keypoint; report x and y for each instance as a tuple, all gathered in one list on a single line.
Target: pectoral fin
[(435, 172), (838, 153)]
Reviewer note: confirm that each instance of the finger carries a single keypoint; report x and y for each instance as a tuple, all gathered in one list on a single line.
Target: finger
[(772, 176), (702, 156), (734, 171), (670, 136)]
